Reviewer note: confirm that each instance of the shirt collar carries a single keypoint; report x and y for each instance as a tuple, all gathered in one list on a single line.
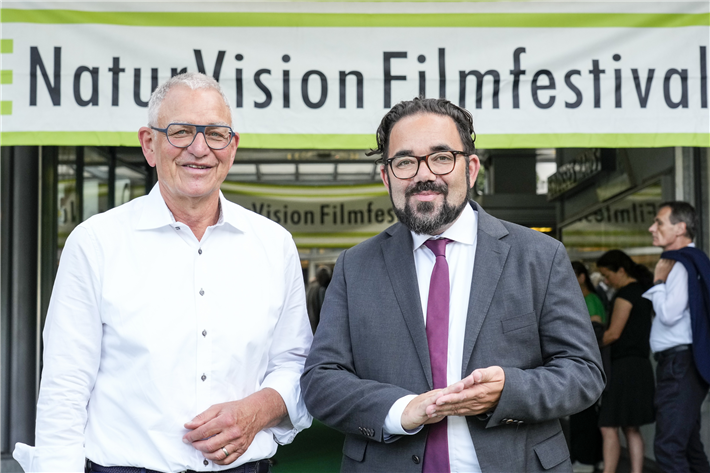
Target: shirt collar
[(156, 214), (463, 230)]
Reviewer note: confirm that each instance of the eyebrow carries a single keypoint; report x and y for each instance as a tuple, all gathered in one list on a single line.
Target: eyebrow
[(433, 149)]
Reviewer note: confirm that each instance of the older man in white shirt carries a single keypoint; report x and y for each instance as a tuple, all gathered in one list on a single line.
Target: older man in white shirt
[(681, 388), (177, 329)]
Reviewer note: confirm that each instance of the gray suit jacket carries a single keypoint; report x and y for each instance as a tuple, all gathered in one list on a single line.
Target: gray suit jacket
[(526, 314)]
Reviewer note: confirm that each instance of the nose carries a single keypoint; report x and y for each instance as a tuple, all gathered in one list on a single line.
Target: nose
[(424, 173), (199, 145)]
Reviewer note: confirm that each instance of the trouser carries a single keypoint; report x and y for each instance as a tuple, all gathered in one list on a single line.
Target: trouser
[(261, 466), (585, 436), (680, 392)]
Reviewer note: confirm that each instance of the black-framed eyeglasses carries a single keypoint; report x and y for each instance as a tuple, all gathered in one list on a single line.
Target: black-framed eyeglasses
[(439, 163), (182, 135)]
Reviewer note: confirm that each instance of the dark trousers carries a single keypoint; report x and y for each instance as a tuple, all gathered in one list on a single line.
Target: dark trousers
[(680, 392), (585, 436)]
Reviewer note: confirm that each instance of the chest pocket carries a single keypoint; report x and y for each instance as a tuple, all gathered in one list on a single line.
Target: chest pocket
[(518, 322)]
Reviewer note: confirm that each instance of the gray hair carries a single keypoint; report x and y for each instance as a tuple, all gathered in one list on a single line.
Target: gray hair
[(193, 80), (683, 212)]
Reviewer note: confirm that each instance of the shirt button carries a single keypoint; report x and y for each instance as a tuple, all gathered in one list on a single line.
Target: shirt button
[(202, 292), (204, 333), (206, 462), (199, 252), (177, 228), (415, 459), (204, 377)]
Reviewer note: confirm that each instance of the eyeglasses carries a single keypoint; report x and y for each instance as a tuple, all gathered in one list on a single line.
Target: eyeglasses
[(182, 135), (439, 163)]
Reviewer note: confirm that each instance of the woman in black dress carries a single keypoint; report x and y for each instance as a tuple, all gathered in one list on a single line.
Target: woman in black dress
[(628, 401)]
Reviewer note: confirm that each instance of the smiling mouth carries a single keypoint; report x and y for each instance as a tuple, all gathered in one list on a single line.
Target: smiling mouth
[(196, 166)]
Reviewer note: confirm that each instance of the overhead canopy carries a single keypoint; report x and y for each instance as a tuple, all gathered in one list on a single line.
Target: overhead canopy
[(322, 75)]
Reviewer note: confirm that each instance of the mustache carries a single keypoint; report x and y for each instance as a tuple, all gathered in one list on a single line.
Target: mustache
[(425, 186)]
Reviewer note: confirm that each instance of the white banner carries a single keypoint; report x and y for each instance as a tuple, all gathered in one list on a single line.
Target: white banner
[(542, 75)]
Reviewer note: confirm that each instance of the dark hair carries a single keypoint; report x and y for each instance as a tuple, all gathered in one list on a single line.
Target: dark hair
[(615, 259), (323, 276), (460, 116), (683, 212), (580, 268)]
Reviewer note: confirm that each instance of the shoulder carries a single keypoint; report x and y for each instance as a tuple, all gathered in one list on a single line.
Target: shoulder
[(115, 220), (523, 241)]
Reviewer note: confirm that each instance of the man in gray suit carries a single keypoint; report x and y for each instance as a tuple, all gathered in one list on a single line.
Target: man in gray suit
[(453, 341)]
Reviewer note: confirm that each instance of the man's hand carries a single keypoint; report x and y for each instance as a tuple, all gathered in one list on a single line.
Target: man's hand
[(415, 414), (476, 394), (663, 269), (232, 425)]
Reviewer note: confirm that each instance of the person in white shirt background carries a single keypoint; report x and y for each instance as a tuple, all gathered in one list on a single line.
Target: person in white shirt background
[(680, 388), (177, 329)]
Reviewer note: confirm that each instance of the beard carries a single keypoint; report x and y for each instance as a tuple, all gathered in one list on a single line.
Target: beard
[(426, 220)]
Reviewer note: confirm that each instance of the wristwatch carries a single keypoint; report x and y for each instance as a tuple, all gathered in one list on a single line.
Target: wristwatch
[(658, 281)]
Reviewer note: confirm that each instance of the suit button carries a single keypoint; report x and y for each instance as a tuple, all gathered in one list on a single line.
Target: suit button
[(510, 421), (415, 459)]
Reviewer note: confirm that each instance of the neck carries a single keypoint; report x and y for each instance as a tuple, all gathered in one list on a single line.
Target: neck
[(678, 244), (628, 281), (585, 291), (198, 214)]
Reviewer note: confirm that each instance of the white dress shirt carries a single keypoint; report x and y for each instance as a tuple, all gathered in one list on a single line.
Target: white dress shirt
[(671, 326), (460, 255), (150, 327)]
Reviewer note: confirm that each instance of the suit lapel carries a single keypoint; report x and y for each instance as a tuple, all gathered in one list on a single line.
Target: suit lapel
[(399, 261), (491, 254)]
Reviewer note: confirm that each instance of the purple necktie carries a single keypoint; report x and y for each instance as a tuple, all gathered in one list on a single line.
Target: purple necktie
[(436, 453)]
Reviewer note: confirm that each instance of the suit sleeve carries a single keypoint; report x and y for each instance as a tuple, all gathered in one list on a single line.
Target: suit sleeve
[(332, 390), (570, 377)]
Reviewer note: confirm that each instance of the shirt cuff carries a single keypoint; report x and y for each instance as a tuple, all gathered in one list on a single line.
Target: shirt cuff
[(298, 417), (658, 288), (393, 421)]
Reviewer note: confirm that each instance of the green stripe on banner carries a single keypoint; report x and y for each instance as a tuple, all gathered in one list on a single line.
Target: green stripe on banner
[(594, 140), (69, 138), (302, 196), (376, 20), (304, 141), (6, 77), (6, 45)]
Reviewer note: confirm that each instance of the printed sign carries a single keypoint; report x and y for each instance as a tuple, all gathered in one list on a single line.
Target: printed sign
[(322, 75)]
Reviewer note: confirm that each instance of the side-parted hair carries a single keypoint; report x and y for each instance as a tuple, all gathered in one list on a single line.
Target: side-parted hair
[(683, 212), (193, 80), (615, 259), (460, 116)]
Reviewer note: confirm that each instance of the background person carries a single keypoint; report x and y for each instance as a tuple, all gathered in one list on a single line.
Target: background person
[(315, 295), (585, 436), (628, 401), (159, 355), (679, 339)]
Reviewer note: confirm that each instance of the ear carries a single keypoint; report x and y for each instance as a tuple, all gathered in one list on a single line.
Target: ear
[(233, 147), (474, 165), (681, 228), (148, 144), (385, 177)]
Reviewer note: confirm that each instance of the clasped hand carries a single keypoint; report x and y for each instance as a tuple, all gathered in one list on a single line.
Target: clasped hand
[(233, 425), (476, 394)]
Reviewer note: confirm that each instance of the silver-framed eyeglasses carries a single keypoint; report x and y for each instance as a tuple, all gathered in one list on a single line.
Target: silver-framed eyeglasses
[(439, 163), (182, 135)]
